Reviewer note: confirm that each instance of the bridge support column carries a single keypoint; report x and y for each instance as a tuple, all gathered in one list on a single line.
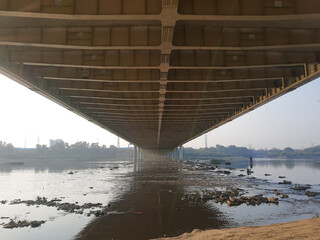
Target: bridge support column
[(181, 153), (140, 154), (172, 155), (135, 153)]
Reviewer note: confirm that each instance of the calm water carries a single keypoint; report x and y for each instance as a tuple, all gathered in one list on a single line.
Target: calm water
[(146, 197), (92, 182), (297, 171)]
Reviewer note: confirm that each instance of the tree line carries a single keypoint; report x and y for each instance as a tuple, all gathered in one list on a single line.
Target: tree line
[(79, 150), (232, 152), (86, 150)]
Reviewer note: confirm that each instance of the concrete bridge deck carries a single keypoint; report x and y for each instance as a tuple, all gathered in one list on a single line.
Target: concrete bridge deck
[(160, 73)]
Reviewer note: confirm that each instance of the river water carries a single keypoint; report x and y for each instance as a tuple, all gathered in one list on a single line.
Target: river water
[(146, 197)]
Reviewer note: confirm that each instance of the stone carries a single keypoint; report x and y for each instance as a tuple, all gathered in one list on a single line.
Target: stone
[(20, 224), (273, 200), (285, 182), (283, 196), (35, 224), (300, 188), (311, 194)]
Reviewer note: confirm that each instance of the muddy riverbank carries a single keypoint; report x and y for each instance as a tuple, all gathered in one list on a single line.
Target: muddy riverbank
[(300, 230)]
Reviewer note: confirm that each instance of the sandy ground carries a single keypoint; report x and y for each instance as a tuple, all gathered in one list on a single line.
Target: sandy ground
[(304, 229)]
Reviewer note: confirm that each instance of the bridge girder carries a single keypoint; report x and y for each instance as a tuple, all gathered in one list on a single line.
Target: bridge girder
[(159, 73)]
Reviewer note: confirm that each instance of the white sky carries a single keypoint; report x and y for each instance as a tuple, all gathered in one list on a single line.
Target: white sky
[(289, 121)]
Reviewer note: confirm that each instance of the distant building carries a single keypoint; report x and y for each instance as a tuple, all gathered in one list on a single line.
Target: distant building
[(55, 142)]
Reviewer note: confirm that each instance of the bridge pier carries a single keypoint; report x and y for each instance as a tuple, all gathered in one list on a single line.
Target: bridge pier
[(135, 156), (176, 154), (181, 153), (137, 153)]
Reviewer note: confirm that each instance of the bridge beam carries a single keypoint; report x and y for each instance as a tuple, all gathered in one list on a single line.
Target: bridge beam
[(160, 73)]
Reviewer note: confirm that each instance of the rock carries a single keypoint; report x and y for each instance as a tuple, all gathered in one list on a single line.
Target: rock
[(283, 196), (282, 177), (241, 175), (11, 224), (232, 197), (205, 197), (4, 201), (35, 224), (311, 194), (285, 182), (273, 200), (98, 213), (20, 224), (233, 203), (67, 207), (267, 174), (300, 188), (70, 173)]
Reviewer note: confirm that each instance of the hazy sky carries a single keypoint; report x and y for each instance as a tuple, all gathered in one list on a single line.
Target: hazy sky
[(289, 121)]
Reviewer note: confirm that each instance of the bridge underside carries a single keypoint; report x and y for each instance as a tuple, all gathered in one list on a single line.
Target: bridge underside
[(160, 73)]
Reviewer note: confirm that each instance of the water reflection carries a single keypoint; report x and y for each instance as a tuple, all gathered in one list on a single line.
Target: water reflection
[(153, 207)]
